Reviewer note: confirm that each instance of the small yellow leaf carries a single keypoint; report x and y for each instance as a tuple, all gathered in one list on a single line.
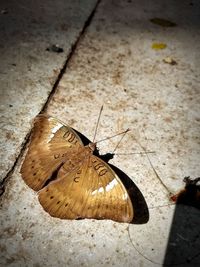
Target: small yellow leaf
[(158, 46)]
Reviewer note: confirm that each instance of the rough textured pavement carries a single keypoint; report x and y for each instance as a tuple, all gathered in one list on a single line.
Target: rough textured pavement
[(118, 62)]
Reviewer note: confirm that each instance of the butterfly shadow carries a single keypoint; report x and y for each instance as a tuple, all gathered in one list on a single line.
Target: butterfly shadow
[(184, 232), (141, 211)]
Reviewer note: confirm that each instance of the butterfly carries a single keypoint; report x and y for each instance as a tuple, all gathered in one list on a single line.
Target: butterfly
[(84, 186)]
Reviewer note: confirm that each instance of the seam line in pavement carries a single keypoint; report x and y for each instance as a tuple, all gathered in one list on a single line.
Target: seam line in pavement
[(71, 53)]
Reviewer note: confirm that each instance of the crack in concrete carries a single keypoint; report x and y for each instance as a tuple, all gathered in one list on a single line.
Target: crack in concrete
[(18, 158), (71, 53)]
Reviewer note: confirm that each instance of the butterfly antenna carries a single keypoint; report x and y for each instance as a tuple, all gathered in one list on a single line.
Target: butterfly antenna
[(120, 140), (124, 132), (95, 133), (137, 153)]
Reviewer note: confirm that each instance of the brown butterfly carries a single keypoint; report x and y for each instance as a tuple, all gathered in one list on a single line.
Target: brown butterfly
[(85, 185)]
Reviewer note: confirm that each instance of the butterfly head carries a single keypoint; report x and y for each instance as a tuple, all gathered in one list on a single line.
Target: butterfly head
[(92, 146)]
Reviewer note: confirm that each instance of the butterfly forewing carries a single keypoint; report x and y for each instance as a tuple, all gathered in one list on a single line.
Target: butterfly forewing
[(52, 143), (91, 190)]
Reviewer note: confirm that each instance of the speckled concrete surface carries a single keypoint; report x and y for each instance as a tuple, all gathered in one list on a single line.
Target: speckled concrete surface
[(114, 64), (27, 70)]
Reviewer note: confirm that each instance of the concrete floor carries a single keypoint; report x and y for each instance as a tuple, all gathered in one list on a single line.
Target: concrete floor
[(108, 59)]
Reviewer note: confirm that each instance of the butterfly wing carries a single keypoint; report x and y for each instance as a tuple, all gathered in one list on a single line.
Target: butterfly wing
[(51, 144), (92, 190)]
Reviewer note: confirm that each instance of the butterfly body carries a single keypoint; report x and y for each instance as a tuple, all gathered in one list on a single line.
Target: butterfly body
[(84, 187)]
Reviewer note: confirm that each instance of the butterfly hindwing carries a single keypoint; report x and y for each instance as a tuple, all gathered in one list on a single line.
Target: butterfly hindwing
[(52, 143), (91, 190)]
